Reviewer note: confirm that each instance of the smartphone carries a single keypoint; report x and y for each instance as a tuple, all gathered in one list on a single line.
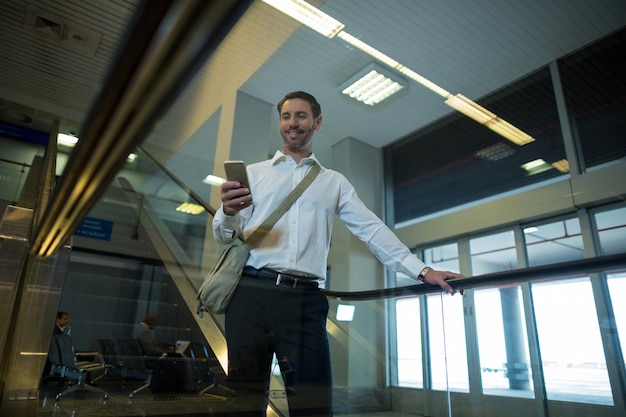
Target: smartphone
[(236, 171)]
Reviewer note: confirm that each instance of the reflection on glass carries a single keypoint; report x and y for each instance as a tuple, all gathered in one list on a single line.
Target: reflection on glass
[(409, 343), (595, 97), (612, 231), (554, 242), (570, 343), (502, 339)]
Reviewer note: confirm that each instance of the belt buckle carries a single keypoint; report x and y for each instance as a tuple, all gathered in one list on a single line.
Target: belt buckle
[(279, 279)]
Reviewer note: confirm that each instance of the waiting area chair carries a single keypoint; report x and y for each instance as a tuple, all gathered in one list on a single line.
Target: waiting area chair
[(113, 364), (207, 368), (133, 362), (66, 365)]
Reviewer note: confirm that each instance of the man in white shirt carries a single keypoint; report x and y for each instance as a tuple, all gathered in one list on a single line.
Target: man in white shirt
[(277, 307)]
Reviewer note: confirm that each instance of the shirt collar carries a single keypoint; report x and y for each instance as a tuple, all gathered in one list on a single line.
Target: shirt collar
[(279, 156)]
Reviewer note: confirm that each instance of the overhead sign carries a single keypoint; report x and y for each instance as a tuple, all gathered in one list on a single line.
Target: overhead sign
[(95, 229)]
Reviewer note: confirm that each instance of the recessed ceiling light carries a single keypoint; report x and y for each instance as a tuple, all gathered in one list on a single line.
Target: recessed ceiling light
[(372, 85), (67, 140)]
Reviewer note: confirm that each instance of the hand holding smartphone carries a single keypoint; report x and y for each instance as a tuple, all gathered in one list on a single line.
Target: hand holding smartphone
[(236, 171)]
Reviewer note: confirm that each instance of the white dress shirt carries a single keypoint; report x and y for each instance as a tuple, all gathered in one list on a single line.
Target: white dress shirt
[(299, 242)]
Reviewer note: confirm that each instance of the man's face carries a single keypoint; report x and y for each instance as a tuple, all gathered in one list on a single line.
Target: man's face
[(297, 125), (62, 321)]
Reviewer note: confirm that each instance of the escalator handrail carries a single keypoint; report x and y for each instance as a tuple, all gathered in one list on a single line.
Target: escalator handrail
[(516, 276)]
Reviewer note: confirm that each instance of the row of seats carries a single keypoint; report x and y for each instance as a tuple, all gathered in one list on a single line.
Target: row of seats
[(66, 365), (124, 358)]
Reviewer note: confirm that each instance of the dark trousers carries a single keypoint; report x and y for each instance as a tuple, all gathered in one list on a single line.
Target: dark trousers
[(263, 319)]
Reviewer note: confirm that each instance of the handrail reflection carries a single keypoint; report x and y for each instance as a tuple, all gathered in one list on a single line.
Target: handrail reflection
[(178, 182)]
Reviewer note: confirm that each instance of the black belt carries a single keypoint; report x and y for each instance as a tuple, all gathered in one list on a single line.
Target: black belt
[(280, 279)]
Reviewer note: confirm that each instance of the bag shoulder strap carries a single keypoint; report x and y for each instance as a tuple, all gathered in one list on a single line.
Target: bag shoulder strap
[(282, 208)]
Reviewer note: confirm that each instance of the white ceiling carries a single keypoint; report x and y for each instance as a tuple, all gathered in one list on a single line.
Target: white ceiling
[(468, 47)]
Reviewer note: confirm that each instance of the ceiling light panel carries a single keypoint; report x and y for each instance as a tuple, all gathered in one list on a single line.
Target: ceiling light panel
[(372, 85)]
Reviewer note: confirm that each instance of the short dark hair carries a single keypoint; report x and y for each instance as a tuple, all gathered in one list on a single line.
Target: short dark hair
[(60, 314), (315, 106), (150, 319)]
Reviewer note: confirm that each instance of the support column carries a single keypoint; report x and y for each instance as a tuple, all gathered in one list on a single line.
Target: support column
[(360, 360)]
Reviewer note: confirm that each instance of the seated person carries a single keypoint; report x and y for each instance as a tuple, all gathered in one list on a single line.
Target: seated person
[(59, 328), (146, 337), (152, 347)]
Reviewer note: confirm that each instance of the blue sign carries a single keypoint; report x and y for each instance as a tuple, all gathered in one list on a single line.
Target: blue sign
[(95, 229), (24, 133)]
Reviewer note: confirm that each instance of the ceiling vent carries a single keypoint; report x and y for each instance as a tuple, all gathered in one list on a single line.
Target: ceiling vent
[(48, 26), (67, 34)]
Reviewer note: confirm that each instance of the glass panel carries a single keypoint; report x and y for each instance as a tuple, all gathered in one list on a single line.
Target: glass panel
[(502, 339), (12, 178), (409, 343), (357, 347), (448, 353), (612, 231), (145, 192), (473, 162), (493, 253), (443, 258), (570, 343), (617, 289), (554, 242), (16, 158), (592, 84), (446, 329)]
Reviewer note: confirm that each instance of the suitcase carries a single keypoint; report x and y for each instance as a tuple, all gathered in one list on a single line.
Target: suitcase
[(168, 374)]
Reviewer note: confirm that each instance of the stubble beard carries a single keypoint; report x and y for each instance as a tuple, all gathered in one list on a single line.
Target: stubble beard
[(298, 145)]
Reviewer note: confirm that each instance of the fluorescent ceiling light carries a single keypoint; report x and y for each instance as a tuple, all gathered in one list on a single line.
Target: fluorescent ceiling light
[(530, 229), (66, 140), (131, 157), (562, 166), (371, 51), (536, 166), (483, 116), (213, 180), (190, 208), (372, 85), (308, 15), (345, 312), (423, 81)]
